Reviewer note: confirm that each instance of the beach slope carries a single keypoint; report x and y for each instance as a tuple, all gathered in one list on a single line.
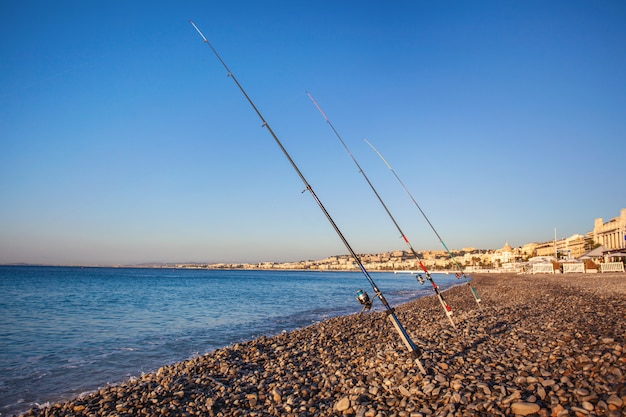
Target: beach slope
[(541, 345)]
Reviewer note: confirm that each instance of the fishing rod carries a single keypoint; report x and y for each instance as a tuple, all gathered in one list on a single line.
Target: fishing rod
[(446, 307), (404, 336), (461, 272)]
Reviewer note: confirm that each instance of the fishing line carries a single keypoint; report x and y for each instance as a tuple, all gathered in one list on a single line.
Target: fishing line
[(406, 339), (446, 307), (461, 273)]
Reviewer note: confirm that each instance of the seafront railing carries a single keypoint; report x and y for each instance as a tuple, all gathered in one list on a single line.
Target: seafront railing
[(577, 267), (612, 267), (543, 269)]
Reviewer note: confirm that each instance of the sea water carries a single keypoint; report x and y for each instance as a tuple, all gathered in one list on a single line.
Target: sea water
[(68, 330)]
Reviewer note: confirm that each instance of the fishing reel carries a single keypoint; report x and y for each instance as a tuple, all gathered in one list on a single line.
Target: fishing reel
[(420, 279), (364, 300)]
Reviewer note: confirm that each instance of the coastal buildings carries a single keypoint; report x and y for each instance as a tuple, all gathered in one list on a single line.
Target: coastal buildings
[(569, 247), (610, 234)]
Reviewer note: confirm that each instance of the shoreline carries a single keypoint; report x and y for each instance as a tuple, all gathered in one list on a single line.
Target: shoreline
[(556, 347)]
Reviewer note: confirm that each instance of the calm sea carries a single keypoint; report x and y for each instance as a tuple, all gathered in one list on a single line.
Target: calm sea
[(65, 331)]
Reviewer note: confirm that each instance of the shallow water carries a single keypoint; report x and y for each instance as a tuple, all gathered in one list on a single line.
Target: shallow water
[(64, 331)]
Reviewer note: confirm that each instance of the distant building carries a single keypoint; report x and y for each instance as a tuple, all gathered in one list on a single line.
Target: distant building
[(529, 250), (571, 247), (611, 234), (546, 249), (504, 255)]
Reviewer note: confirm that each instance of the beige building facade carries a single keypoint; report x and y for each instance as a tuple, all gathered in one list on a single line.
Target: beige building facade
[(610, 234)]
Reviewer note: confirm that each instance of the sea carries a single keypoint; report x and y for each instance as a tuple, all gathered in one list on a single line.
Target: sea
[(66, 331)]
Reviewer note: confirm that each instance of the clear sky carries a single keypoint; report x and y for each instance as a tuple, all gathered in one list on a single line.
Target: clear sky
[(123, 141)]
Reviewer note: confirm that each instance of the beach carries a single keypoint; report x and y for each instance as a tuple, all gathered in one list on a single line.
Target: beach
[(545, 345)]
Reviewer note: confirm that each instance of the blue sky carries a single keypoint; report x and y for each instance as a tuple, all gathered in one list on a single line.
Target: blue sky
[(123, 141)]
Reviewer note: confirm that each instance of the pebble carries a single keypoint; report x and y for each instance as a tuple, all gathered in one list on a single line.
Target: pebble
[(615, 400), (405, 392), (343, 404), (588, 406), (545, 345), (523, 408)]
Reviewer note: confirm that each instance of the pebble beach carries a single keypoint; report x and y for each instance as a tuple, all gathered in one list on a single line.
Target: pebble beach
[(539, 345)]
